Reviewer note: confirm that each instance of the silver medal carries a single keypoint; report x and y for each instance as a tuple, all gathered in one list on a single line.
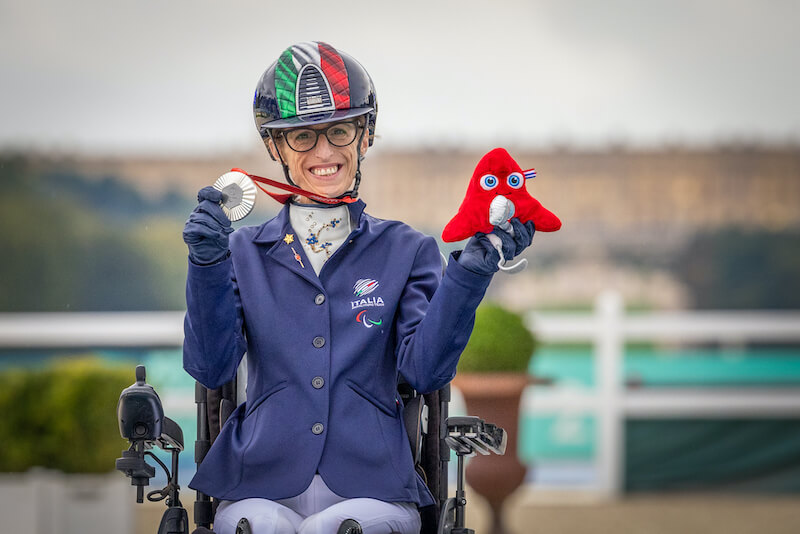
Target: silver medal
[(238, 194)]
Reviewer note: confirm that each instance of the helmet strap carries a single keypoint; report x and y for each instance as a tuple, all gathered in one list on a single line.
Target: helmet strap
[(353, 193), (280, 158)]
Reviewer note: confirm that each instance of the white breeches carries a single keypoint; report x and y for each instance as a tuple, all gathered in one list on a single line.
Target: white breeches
[(317, 510)]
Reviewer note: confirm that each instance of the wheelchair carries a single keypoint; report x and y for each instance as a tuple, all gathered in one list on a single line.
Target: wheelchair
[(432, 435)]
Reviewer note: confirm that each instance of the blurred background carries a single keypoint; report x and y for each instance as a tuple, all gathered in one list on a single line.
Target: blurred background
[(665, 135)]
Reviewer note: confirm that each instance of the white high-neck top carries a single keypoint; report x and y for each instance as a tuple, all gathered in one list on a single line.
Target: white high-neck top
[(320, 229)]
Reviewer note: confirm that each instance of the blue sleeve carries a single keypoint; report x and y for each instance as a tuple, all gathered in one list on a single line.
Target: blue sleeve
[(434, 323), (214, 341)]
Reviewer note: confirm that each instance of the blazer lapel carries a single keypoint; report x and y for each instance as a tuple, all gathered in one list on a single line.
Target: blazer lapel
[(285, 248), (291, 255)]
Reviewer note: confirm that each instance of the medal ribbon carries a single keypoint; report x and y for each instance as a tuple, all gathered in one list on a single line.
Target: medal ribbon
[(292, 189)]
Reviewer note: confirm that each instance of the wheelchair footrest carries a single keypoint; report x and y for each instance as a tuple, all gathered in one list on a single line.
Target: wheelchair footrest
[(468, 434)]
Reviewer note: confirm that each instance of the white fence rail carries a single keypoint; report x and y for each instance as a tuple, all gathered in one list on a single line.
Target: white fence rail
[(87, 330), (608, 329)]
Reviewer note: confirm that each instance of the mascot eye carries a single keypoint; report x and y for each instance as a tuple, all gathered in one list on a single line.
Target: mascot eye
[(515, 180), (488, 181)]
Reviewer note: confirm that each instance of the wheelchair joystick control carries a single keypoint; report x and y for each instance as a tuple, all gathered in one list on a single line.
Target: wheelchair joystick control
[(142, 422)]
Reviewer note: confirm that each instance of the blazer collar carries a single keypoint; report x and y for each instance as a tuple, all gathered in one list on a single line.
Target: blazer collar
[(276, 228), (284, 247)]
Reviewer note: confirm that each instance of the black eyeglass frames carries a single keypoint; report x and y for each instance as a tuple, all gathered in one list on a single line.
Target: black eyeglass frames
[(339, 134)]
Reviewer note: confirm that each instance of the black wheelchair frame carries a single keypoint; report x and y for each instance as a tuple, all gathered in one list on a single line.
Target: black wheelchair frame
[(432, 435)]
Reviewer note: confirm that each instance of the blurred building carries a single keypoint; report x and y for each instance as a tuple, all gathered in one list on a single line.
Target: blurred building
[(616, 191), (616, 204)]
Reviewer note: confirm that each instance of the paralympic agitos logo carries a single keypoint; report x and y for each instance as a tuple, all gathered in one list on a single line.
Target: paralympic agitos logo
[(367, 322)]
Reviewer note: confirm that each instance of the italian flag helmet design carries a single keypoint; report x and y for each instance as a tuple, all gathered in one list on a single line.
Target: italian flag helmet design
[(311, 83)]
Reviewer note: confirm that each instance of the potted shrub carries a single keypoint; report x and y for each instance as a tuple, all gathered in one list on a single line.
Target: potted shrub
[(59, 439), (492, 374)]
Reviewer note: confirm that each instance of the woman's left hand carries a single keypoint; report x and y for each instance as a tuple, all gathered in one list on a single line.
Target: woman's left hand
[(480, 256), (521, 238)]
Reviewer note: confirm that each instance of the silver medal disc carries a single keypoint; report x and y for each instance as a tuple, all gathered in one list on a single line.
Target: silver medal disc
[(238, 194)]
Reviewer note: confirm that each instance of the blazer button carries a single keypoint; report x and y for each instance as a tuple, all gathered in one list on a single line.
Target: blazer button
[(319, 299), (318, 382), (317, 428), (319, 342)]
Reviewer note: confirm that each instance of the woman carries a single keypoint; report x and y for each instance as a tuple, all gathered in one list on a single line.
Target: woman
[(331, 306)]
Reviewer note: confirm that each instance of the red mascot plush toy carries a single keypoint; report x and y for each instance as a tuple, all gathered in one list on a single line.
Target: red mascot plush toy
[(495, 194)]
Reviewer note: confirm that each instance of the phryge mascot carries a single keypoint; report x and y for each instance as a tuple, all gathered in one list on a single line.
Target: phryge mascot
[(496, 193)]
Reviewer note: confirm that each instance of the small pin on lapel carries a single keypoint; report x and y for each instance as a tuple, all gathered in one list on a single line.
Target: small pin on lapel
[(289, 239), (298, 258)]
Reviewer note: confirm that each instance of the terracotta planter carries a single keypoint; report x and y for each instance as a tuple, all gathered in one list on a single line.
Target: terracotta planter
[(495, 398)]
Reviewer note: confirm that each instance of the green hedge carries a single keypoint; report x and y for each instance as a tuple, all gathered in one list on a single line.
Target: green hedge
[(500, 342), (62, 417)]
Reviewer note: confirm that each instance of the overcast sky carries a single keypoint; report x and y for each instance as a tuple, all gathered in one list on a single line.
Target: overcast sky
[(179, 75)]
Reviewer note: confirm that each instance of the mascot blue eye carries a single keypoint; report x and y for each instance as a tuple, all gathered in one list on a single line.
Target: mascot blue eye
[(515, 180), (488, 181)]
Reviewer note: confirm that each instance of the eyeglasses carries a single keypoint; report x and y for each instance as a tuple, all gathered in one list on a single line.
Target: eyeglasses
[(339, 134)]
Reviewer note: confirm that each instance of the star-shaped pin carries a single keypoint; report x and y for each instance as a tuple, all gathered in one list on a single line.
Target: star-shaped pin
[(289, 239)]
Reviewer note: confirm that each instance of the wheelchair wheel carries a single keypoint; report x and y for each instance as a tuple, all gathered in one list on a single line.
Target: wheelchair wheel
[(349, 526), (243, 527), (447, 519)]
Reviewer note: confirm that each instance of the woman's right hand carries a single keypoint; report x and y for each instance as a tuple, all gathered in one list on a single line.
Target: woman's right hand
[(206, 232)]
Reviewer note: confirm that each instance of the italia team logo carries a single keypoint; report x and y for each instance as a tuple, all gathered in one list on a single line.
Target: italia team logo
[(361, 289), (366, 321), (365, 286)]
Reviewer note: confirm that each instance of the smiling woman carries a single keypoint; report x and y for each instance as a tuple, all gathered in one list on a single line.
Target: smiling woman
[(338, 304)]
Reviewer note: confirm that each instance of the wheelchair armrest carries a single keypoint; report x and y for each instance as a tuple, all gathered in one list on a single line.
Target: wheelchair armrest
[(468, 434), (415, 417), (226, 408)]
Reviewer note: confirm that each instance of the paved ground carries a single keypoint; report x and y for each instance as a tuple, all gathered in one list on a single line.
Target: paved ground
[(582, 514), (653, 514)]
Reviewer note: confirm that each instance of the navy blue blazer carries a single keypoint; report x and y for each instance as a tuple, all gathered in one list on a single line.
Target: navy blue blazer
[(323, 356)]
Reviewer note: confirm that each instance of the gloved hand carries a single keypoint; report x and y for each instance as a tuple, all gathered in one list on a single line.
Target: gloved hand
[(480, 256), (523, 236), (206, 232)]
